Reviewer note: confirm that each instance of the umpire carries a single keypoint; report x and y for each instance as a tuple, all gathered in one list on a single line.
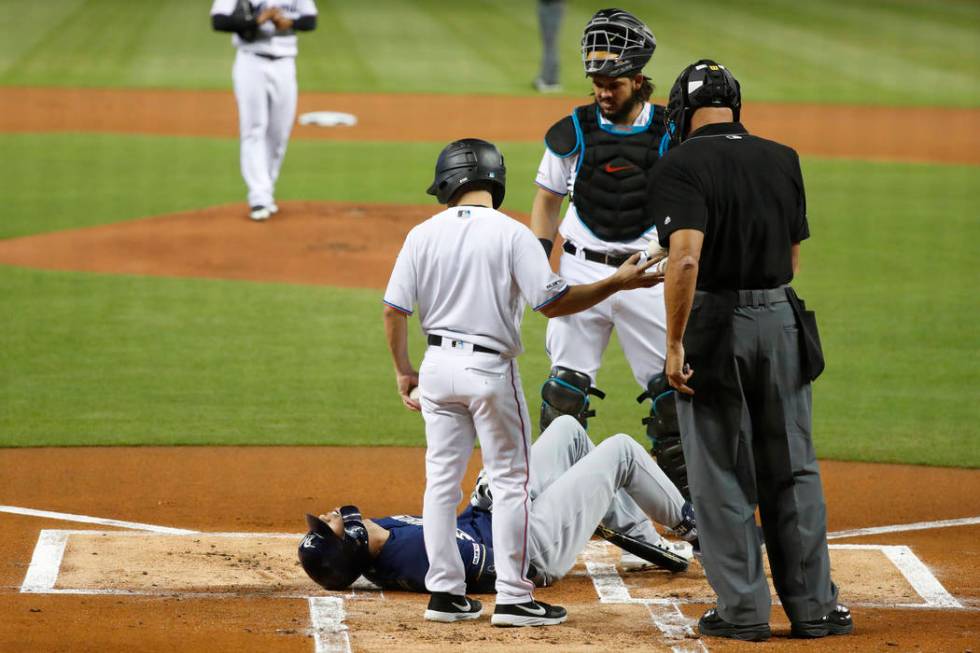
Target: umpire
[(742, 351)]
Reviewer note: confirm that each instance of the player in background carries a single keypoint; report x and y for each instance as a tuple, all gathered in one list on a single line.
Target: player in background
[(471, 270), (577, 487), (264, 77), (601, 157)]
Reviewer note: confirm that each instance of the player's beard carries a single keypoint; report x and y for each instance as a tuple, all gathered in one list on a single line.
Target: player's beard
[(623, 113)]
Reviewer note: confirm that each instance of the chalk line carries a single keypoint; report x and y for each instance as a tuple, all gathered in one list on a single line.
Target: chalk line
[(330, 633), (899, 528), (85, 519)]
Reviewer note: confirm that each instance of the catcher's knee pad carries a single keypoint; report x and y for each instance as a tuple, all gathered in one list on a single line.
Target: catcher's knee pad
[(566, 392), (664, 432)]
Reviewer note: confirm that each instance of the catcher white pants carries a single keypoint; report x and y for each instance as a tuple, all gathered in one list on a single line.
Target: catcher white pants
[(464, 396), (577, 485), (578, 341), (266, 92)]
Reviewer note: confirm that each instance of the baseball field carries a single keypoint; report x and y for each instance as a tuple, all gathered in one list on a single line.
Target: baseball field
[(179, 384)]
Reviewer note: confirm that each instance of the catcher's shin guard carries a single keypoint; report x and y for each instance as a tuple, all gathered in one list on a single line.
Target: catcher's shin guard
[(664, 432), (566, 392)]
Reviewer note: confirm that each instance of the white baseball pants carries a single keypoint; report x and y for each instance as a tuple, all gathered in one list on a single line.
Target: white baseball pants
[(266, 92), (464, 396), (578, 485), (578, 341)]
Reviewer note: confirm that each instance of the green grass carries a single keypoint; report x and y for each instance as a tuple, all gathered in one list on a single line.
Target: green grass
[(897, 52), (100, 359)]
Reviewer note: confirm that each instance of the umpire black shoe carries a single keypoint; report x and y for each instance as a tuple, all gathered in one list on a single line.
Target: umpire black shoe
[(448, 608), (712, 625), (532, 613), (837, 622)]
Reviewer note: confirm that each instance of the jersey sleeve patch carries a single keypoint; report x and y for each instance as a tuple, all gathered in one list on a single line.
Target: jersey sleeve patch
[(562, 138), (560, 284)]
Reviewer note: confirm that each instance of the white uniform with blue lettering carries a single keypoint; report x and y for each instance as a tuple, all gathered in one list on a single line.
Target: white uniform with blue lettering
[(578, 341), (264, 77), (471, 271)]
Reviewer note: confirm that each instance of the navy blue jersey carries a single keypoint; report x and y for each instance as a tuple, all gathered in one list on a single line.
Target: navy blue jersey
[(402, 563)]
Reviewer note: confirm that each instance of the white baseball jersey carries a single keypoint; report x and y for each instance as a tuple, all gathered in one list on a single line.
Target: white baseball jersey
[(470, 270), (557, 175), (268, 41)]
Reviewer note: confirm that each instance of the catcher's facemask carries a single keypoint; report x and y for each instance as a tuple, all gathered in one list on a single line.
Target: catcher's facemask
[(616, 44), (332, 562)]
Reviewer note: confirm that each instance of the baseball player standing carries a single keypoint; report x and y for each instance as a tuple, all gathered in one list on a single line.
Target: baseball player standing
[(470, 270), (264, 77), (602, 156)]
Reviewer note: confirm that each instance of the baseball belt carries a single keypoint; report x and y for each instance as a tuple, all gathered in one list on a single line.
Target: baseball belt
[(595, 257), (436, 341)]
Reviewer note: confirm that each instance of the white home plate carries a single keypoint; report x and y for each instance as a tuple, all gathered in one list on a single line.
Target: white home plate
[(328, 119)]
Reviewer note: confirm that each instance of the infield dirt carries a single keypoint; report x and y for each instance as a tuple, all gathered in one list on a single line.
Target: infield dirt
[(268, 489)]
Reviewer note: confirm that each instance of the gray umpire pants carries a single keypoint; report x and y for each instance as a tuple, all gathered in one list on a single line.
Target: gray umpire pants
[(748, 443)]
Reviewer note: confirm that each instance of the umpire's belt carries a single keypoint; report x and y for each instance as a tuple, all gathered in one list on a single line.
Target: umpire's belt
[(762, 297), (437, 341), (595, 257)]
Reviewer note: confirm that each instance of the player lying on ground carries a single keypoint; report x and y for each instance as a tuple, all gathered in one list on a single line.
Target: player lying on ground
[(577, 488)]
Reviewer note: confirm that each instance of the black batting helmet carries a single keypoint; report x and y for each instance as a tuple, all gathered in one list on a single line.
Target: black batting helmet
[(616, 44), (332, 562), (464, 162), (705, 83)]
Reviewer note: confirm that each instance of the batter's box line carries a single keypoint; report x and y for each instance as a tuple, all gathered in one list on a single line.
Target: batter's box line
[(611, 589), (45, 567)]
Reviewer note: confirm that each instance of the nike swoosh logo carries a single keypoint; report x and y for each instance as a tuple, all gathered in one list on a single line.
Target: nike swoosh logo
[(610, 168), (463, 608), (537, 612)]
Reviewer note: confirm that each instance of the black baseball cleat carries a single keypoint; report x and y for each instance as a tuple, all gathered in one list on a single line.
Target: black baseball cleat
[(712, 625), (532, 613), (836, 622), (448, 608)]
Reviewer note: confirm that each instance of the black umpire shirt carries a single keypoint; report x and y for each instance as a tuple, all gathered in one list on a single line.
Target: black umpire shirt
[(744, 193)]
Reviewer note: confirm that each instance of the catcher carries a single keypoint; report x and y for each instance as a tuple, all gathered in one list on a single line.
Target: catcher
[(578, 489)]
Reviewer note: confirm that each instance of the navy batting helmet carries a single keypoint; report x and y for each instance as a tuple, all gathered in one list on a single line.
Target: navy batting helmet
[(705, 83), (464, 162), (616, 44), (332, 562)]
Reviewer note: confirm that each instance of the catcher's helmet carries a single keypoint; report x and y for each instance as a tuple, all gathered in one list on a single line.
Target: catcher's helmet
[(466, 161), (332, 562), (705, 83), (616, 44)]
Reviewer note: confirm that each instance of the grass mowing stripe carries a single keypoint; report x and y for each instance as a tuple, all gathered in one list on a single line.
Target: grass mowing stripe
[(101, 359), (104, 178), (784, 50)]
